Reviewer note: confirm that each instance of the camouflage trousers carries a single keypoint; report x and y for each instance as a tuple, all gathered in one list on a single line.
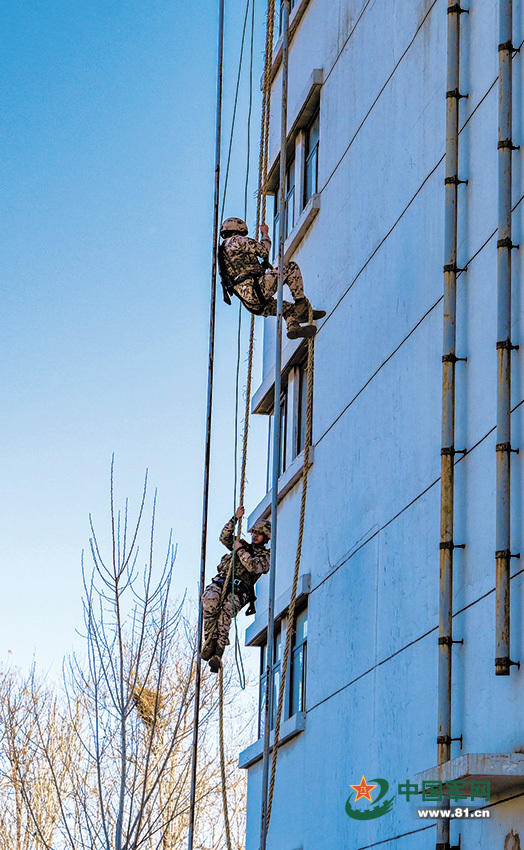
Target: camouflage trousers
[(210, 609), (268, 284)]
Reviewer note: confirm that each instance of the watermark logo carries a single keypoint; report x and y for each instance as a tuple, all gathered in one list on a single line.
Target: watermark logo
[(363, 791), (452, 791)]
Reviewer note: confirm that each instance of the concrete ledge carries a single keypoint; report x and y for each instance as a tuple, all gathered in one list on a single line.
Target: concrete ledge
[(256, 632), (503, 772), (286, 482), (288, 730)]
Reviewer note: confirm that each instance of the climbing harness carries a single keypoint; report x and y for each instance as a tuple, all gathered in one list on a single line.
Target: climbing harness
[(229, 283)]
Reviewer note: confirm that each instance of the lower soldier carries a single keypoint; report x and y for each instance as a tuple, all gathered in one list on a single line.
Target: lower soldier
[(251, 561), (246, 272)]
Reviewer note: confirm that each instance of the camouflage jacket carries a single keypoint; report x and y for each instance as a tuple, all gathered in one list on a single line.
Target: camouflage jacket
[(242, 255), (250, 561)]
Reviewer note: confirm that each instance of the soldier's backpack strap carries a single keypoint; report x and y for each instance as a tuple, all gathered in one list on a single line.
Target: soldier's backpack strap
[(251, 599), (227, 283)]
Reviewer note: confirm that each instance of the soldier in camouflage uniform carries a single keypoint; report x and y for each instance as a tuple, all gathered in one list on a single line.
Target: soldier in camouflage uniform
[(246, 272), (251, 561)]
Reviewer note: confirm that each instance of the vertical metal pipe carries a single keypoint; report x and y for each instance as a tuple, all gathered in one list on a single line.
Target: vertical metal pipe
[(449, 359), (205, 498), (504, 346), (276, 432)]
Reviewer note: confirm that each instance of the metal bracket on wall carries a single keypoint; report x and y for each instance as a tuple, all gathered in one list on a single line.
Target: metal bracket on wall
[(506, 243), (453, 181), (447, 739), (506, 447), (456, 93), (452, 267), (452, 358), (451, 450), (506, 343), (503, 664)]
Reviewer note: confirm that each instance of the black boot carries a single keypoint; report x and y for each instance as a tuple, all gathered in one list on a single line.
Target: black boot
[(209, 650), (294, 330), (302, 309), (215, 662)]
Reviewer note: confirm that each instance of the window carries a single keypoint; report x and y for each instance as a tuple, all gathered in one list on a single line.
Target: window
[(312, 137), (275, 673), (300, 440), (301, 154), (280, 13), (295, 696), (297, 701), (289, 207), (282, 466), (293, 404)]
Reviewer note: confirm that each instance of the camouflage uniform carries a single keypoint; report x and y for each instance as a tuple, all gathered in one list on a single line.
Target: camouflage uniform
[(241, 256), (250, 563)]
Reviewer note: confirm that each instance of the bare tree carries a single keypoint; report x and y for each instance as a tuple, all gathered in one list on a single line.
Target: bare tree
[(35, 781), (109, 760)]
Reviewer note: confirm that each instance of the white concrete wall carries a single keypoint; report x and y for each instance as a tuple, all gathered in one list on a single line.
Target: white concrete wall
[(374, 256)]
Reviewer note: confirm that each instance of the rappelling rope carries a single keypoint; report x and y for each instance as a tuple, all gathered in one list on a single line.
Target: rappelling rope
[(261, 211), (222, 756), (292, 602)]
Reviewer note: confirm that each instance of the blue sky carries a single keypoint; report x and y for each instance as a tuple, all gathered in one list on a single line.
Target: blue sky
[(107, 173)]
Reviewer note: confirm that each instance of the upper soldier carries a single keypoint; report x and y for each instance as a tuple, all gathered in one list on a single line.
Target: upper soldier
[(246, 272), (251, 561)]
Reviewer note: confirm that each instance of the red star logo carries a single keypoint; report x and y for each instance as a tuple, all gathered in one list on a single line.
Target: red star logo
[(363, 790)]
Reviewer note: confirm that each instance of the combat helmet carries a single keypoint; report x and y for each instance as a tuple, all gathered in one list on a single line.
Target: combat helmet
[(233, 225), (263, 527)]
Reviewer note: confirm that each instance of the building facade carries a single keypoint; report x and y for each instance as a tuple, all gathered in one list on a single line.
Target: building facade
[(369, 201)]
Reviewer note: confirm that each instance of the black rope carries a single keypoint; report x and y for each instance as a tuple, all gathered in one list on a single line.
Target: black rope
[(209, 407), (233, 119)]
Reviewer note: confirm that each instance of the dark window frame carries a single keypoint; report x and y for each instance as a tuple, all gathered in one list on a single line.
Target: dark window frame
[(301, 409), (289, 451), (283, 464), (275, 674), (289, 205), (310, 186), (280, 15), (298, 651)]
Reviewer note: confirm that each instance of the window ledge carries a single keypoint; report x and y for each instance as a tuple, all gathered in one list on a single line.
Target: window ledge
[(305, 220), (286, 482), (289, 729), (256, 632), (504, 772)]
